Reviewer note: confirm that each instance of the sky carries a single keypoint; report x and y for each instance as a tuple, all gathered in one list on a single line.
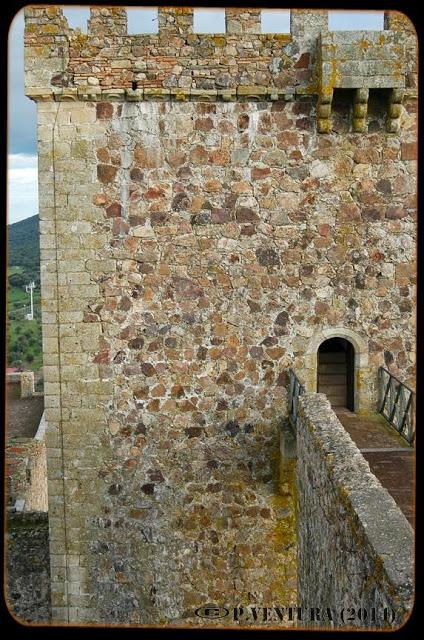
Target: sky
[(22, 147)]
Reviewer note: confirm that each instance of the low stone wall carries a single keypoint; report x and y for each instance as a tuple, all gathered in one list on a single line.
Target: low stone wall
[(26, 472), (36, 496), (355, 545), (25, 379), (28, 568)]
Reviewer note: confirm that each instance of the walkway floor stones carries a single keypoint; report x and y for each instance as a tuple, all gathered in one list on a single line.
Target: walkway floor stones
[(390, 457)]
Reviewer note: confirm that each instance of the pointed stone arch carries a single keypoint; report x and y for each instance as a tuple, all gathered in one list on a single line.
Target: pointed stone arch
[(364, 384)]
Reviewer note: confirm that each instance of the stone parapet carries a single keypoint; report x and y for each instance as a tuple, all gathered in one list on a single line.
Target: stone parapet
[(355, 545), (175, 57), (46, 51), (243, 21), (175, 21)]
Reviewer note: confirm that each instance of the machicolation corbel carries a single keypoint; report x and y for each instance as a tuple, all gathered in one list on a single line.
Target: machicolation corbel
[(361, 60)]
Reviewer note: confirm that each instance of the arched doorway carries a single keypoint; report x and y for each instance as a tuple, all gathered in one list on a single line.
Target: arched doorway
[(336, 363)]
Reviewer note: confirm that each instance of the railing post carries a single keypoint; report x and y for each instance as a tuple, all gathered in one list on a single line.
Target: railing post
[(407, 424), (400, 408), (401, 412), (412, 417), (295, 390), (395, 399), (291, 392)]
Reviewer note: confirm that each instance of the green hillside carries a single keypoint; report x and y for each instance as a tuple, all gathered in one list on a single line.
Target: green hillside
[(24, 348), (24, 248)]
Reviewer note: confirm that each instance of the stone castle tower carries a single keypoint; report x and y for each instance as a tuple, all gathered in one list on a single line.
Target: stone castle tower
[(212, 208)]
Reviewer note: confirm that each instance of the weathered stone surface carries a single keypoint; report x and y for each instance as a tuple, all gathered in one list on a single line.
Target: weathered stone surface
[(409, 151), (244, 214), (27, 589), (106, 173), (114, 210), (258, 172), (148, 369), (267, 257), (104, 110)]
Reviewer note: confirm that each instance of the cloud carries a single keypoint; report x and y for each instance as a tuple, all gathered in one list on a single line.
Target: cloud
[(22, 186)]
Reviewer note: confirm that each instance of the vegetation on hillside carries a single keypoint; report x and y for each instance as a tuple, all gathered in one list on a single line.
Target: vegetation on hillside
[(24, 347), (24, 251)]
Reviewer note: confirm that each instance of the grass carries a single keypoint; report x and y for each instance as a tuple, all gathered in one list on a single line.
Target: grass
[(17, 297)]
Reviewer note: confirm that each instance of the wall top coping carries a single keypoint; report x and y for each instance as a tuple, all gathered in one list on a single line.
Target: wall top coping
[(179, 19), (42, 427)]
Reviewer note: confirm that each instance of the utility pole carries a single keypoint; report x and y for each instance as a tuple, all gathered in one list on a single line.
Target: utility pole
[(29, 289)]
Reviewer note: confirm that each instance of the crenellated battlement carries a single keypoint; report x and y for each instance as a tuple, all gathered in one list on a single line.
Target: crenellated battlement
[(174, 58), (240, 64)]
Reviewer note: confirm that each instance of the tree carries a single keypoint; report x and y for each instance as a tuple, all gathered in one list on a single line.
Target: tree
[(16, 280), (21, 344)]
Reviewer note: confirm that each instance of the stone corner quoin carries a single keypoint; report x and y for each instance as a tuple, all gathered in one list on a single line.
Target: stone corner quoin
[(208, 204)]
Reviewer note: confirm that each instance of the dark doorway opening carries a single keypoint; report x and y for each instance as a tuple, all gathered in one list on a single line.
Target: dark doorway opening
[(336, 362)]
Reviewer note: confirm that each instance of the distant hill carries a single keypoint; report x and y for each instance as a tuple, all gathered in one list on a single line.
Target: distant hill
[(23, 336), (24, 247)]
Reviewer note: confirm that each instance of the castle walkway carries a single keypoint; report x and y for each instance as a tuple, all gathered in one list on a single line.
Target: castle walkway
[(387, 450), (390, 457)]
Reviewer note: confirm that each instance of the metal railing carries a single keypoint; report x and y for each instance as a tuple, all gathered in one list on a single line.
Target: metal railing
[(396, 404), (296, 389)]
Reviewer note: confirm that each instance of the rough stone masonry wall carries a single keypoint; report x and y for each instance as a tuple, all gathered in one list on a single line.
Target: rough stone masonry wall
[(27, 572), (189, 250), (355, 545)]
